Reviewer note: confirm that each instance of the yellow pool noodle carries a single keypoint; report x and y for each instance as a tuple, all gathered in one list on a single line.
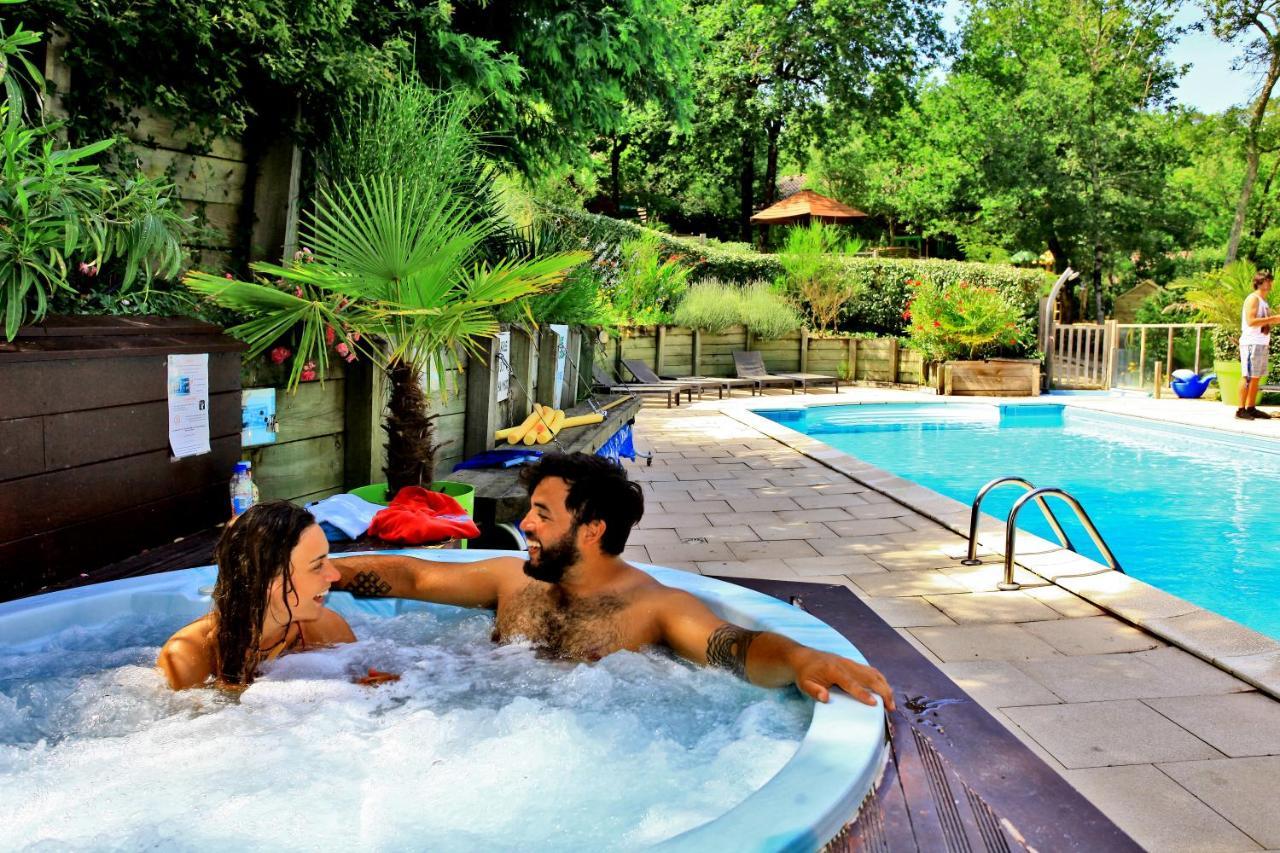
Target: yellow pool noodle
[(581, 420), (553, 427), (516, 433)]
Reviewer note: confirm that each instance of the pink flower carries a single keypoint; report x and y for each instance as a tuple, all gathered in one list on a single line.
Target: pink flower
[(308, 376), (329, 335), (279, 354), (88, 269), (229, 277), (342, 350), (351, 357), (297, 291), (355, 337)]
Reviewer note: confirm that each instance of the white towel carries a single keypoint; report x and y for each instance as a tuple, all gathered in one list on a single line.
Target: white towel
[(348, 513)]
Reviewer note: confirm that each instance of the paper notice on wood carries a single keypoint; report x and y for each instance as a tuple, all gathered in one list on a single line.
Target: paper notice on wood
[(504, 365), (562, 350), (189, 404)]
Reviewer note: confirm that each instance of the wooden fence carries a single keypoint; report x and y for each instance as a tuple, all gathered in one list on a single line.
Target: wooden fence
[(678, 351)]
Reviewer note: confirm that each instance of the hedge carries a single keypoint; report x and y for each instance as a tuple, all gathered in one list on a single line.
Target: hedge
[(882, 295)]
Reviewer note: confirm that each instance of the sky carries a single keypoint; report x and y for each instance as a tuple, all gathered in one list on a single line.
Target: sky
[(1209, 86)]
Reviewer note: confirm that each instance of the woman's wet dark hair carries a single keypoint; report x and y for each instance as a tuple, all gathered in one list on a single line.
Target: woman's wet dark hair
[(598, 491), (252, 553)]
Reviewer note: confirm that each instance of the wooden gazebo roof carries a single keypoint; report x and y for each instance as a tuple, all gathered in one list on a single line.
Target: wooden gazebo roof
[(806, 205)]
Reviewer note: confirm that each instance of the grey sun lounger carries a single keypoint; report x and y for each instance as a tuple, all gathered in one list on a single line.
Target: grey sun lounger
[(751, 366), (644, 373), (758, 374), (668, 390)]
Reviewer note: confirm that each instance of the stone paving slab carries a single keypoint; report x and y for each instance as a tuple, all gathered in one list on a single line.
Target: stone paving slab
[(847, 564), (1102, 734), (906, 612), (1240, 724), (985, 578), (1067, 603), (992, 607), (1167, 817), (983, 642), (915, 583), (1095, 635), (1243, 790), (1141, 675), (998, 684)]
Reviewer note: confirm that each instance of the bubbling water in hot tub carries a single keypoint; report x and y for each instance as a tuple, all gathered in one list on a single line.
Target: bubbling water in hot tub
[(477, 746)]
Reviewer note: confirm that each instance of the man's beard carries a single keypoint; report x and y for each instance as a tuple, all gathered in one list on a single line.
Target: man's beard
[(555, 559)]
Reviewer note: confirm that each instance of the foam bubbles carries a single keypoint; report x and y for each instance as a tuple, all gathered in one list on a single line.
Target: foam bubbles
[(477, 746)]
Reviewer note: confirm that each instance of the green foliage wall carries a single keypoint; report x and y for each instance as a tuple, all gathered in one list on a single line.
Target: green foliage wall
[(882, 292)]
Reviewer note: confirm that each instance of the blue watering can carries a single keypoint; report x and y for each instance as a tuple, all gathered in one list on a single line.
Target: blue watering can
[(1187, 384)]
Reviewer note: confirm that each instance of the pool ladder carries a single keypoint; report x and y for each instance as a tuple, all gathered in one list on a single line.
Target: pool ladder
[(1011, 526)]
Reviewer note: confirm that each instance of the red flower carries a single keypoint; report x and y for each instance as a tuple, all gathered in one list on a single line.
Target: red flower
[(308, 372), (297, 291), (342, 350), (279, 354), (329, 335), (937, 325), (906, 315)]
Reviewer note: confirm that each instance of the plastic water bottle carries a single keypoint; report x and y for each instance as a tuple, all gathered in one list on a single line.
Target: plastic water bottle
[(244, 492)]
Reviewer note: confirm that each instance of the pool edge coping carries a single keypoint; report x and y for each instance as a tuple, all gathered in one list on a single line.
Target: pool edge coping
[(1232, 647)]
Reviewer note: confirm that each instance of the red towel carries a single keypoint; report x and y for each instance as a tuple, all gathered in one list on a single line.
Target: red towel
[(418, 515)]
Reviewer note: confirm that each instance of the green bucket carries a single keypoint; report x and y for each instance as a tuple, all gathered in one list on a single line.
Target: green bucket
[(1230, 379), (463, 493)]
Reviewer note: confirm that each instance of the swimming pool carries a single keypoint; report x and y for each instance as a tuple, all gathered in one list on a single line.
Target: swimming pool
[(477, 747), (1184, 509)]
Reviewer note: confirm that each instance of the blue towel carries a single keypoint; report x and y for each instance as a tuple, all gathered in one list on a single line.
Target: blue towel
[(346, 514)]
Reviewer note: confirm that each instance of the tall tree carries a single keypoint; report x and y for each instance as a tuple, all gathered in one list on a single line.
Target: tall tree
[(1232, 20), (774, 65)]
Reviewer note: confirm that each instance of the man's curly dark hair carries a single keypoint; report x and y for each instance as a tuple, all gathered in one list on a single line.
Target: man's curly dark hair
[(598, 491)]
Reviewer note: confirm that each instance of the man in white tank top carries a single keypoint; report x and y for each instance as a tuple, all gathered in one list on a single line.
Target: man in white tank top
[(1255, 345)]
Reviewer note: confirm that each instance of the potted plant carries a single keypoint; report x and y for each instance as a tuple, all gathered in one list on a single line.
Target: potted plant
[(1218, 298), (960, 329), (397, 267)]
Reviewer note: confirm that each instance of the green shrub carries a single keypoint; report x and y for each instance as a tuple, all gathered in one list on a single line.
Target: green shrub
[(650, 281), (767, 313), (814, 278), (960, 320), (710, 307)]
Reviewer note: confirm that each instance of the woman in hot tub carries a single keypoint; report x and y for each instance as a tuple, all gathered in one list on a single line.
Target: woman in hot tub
[(273, 575)]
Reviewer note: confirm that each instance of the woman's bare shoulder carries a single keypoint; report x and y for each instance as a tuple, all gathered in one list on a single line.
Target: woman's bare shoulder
[(186, 659), (330, 629)]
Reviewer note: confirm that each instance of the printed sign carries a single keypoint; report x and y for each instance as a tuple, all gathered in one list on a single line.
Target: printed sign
[(189, 404), (504, 365)]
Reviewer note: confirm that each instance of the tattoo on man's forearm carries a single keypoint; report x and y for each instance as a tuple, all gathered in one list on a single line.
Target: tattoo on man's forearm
[(368, 585), (727, 648)]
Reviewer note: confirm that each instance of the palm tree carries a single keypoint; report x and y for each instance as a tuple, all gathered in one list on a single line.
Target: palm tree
[(395, 270)]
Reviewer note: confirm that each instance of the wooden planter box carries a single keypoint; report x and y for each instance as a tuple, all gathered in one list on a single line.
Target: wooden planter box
[(1013, 377)]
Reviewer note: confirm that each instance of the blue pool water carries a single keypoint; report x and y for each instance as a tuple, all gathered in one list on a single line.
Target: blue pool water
[(1190, 511)]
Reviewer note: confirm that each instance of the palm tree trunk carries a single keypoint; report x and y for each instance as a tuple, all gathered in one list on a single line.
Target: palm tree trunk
[(411, 449)]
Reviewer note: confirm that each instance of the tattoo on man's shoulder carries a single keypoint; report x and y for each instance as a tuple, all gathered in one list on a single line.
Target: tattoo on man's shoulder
[(727, 648), (368, 585)]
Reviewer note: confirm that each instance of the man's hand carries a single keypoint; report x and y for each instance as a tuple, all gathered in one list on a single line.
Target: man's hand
[(817, 672)]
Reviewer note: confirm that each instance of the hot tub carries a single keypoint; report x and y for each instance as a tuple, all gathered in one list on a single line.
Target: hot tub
[(807, 801)]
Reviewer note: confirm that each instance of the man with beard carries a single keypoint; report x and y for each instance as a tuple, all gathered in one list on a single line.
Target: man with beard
[(575, 598)]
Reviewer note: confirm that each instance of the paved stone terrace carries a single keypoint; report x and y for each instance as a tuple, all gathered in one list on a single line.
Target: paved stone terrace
[(1180, 754)]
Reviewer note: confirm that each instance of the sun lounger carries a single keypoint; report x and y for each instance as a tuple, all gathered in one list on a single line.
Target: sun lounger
[(757, 374), (644, 373), (751, 366), (674, 389)]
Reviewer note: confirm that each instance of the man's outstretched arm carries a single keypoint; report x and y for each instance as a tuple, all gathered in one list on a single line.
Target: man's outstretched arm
[(396, 576), (763, 657)]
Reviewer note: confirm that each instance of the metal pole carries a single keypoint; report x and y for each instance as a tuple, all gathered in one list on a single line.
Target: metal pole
[(1142, 356), (1168, 356), (1011, 533), (1199, 331)]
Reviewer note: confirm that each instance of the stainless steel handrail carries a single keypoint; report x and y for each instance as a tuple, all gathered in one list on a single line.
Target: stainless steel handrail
[(1011, 532), (975, 511)]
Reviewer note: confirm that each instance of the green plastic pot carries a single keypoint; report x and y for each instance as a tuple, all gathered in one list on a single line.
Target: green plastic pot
[(463, 493), (1229, 381)]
